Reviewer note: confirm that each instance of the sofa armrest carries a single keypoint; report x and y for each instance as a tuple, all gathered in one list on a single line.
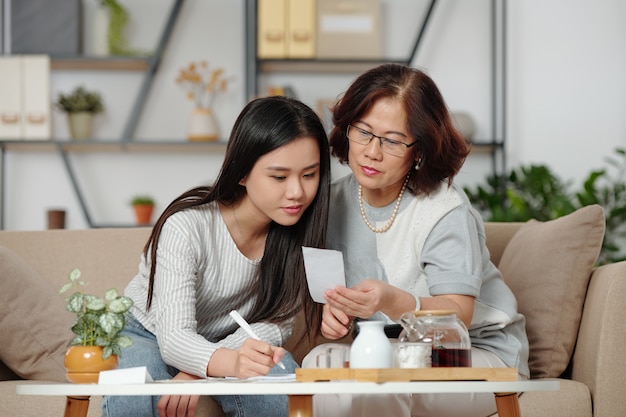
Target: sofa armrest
[(599, 361)]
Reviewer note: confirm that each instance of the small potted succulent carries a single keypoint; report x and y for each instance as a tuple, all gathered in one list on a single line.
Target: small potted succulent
[(144, 207), (97, 342), (80, 105)]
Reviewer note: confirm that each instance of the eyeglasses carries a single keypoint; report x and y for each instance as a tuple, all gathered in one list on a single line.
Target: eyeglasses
[(390, 146)]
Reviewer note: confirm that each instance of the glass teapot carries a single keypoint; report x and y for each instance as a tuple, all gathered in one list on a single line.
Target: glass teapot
[(448, 336)]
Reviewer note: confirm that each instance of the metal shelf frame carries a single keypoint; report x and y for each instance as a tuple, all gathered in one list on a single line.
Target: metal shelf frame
[(148, 65), (254, 68), (495, 146)]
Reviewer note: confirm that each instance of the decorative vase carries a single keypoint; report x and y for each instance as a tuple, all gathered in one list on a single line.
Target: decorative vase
[(84, 363), (202, 125), (371, 348), (100, 31), (143, 213), (80, 124)]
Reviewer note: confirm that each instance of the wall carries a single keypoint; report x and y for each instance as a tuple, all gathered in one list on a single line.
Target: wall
[(567, 102), (565, 107)]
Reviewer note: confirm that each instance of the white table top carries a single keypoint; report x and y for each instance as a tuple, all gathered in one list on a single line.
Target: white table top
[(230, 387)]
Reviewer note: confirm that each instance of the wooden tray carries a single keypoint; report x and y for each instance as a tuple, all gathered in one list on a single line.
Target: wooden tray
[(406, 374)]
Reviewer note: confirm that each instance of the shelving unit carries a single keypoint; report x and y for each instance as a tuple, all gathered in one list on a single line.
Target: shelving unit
[(494, 147), (149, 65), (99, 63), (112, 146), (255, 68)]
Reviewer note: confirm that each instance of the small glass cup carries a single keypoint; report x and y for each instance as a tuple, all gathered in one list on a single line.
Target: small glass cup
[(333, 357), (412, 355)]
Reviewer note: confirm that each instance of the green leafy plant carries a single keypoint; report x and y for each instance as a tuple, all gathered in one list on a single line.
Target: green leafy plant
[(607, 187), (528, 192), (118, 43), (142, 200), (98, 321), (536, 192), (80, 100)]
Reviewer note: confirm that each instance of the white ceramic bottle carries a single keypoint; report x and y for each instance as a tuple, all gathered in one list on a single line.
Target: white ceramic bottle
[(371, 348)]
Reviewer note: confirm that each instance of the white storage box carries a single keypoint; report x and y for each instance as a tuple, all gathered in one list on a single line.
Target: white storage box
[(348, 29)]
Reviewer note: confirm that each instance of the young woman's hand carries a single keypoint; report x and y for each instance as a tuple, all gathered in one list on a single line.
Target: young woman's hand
[(335, 323), (179, 405), (256, 358)]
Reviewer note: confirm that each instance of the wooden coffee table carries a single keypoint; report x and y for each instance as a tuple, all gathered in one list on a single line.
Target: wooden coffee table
[(301, 392)]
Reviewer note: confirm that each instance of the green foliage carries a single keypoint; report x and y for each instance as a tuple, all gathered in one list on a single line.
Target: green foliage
[(98, 322), (532, 192), (80, 100), (118, 44), (535, 192), (607, 187), (142, 200)]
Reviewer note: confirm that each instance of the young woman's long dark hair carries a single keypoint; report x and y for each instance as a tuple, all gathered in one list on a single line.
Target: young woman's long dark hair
[(280, 288), (440, 146)]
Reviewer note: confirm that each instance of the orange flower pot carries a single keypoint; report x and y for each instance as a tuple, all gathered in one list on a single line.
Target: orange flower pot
[(143, 213), (84, 363)]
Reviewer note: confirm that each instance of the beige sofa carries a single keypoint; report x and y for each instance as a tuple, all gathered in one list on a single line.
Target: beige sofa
[(533, 256)]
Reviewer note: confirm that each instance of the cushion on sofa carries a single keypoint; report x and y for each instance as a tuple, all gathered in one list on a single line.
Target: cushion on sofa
[(34, 324), (547, 265)]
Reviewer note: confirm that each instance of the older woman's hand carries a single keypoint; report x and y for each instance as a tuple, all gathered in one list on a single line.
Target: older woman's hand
[(369, 296)]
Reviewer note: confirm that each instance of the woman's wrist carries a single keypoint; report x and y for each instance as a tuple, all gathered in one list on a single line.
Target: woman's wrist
[(222, 363), (403, 302)]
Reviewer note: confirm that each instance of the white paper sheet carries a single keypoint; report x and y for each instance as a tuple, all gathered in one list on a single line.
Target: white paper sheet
[(324, 270), (138, 375), (274, 378)]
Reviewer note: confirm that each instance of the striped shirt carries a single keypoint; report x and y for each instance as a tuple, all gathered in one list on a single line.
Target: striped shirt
[(200, 277)]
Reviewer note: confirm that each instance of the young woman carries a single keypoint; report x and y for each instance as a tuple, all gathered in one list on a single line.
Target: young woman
[(409, 237), (234, 245)]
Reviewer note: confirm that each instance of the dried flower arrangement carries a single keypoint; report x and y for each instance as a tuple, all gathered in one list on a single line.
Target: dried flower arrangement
[(202, 83)]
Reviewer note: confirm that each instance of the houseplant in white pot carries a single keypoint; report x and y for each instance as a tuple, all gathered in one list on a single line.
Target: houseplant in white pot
[(80, 105), (97, 342)]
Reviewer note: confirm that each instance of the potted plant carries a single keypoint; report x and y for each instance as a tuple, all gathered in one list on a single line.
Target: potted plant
[(98, 324), (202, 85), (80, 105), (144, 207), (110, 22), (536, 192)]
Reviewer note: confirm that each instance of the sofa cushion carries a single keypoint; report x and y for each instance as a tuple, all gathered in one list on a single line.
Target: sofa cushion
[(547, 265), (34, 324)]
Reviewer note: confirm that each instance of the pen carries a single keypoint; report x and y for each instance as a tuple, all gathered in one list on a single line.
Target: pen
[(244, 325)]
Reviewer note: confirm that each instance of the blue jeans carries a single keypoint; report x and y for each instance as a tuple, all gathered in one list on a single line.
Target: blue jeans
[(145, 352)]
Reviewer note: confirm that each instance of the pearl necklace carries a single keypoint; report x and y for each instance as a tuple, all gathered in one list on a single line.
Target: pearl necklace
[(387, 225), (245, 241)]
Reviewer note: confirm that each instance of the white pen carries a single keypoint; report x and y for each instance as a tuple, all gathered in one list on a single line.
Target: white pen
[(244, 325)]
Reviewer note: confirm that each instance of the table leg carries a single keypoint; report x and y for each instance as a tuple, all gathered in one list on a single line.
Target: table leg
[(76, 406), (507, 404), (300, 406)]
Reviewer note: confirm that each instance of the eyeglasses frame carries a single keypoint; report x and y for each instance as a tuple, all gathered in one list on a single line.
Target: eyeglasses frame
[(380, 139)]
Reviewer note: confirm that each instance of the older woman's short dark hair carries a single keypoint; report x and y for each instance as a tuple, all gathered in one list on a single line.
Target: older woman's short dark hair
[(441, 148)]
